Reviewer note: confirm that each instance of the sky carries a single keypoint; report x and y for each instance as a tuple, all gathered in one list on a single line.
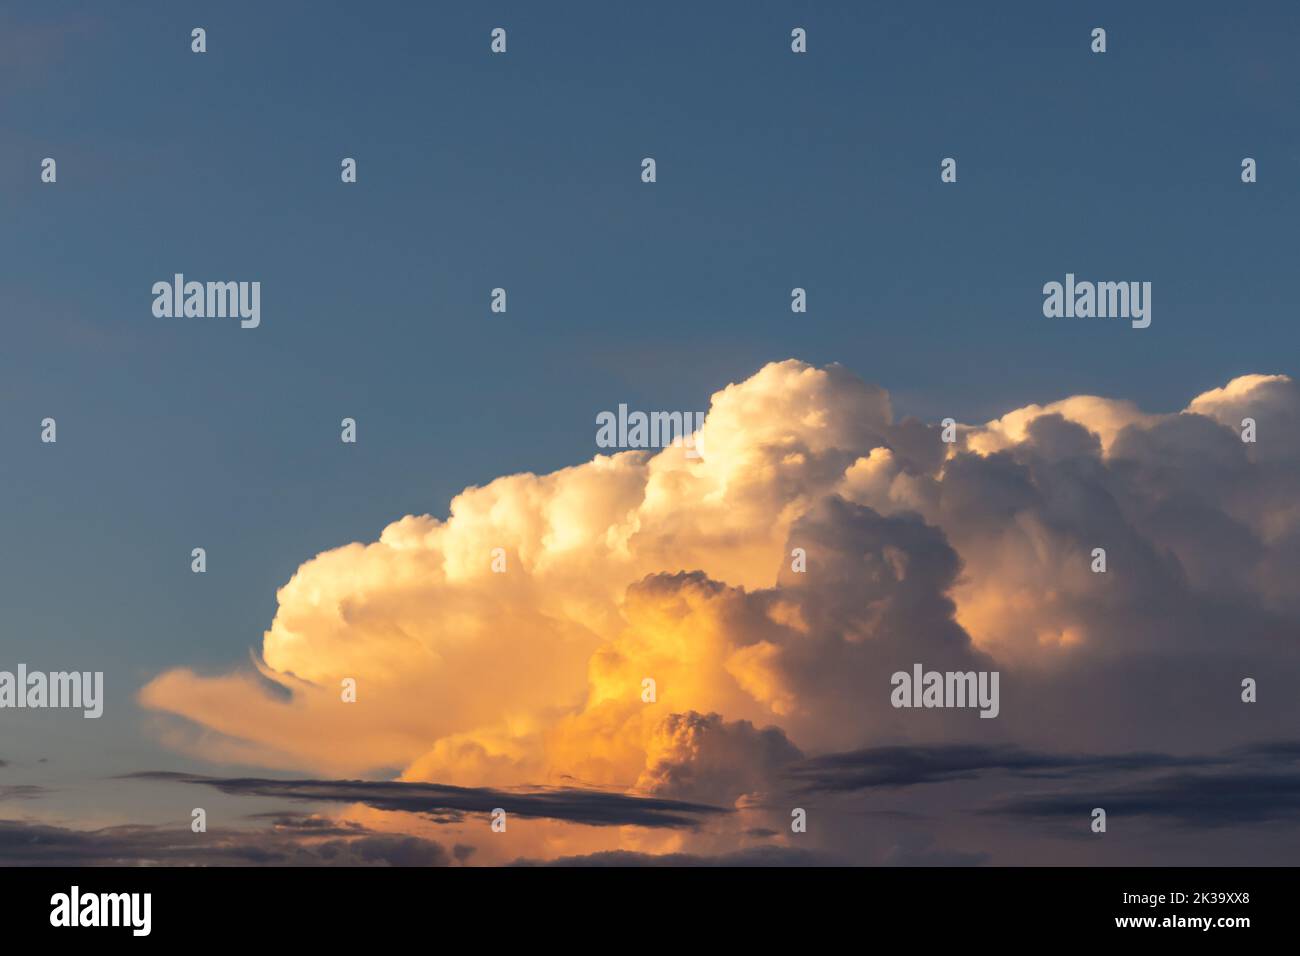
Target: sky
[(775, 170)]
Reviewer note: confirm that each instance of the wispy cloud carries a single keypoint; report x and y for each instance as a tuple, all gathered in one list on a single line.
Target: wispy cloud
[(907, 766), (24, 843), (1188, 800), (592, 807), (757, 856), (22, 791)]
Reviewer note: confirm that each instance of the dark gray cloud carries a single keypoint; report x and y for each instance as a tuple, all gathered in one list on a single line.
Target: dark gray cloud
[(754, 856), (309, 824), (447, 803), (24, 843), (919, 849), (1184, 799), (462, 852), (1252, 785), (22, 791), (905, 766), (1276, 749), (297, 839)]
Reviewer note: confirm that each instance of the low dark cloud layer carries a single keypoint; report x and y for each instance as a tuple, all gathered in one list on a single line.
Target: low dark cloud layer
[(592, 807), (1253, 785), (906, 766), (24, 843), (1186, 800), (22, 791), (756, 856)]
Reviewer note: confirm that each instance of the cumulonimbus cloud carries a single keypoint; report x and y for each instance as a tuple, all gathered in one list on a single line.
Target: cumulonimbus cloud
[(970, 555)]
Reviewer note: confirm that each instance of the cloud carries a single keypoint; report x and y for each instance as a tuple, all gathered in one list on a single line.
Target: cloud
[(640, 566), (911, 766), (702, 757), (757, 856), (24, 843), (591, 807), (919, 850), (1188, 800), (1255, 785), (22, 791)]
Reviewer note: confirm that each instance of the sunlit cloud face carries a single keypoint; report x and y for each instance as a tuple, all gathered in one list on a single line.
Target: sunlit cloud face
[(676, 569)]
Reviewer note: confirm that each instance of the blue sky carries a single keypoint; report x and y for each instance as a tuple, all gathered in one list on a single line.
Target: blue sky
[(522, 171)]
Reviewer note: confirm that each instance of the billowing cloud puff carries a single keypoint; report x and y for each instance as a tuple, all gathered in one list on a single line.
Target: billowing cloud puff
[(653, 631)]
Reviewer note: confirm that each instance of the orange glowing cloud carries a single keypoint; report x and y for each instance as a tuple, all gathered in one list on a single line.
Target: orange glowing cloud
[(678, 569)]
